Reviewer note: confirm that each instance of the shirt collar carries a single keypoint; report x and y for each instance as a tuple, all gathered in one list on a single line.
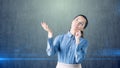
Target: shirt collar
[(69, 34)]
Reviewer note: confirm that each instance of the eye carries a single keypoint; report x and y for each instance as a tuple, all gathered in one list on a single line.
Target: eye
[(76, 19), (80, 23)]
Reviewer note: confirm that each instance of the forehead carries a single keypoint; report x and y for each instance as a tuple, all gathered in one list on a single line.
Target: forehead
[(81, 19)]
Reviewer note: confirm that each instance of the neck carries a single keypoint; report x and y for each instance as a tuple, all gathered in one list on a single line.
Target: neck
[(72, 31)]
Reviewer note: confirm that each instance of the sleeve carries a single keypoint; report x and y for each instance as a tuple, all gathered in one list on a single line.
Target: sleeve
[(81, 50), (52, 45)]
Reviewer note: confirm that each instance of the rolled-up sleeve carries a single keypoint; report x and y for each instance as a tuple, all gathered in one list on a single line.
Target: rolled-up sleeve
[(53, 45), (81, 50)]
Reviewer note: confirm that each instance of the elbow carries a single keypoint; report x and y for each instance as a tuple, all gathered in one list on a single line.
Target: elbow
[(79, 59), (49, 52)]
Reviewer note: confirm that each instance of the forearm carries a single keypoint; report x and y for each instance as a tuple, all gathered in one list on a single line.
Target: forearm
[(50, 34), (77, 41), (50, 47), (79, 55), (80, 50)]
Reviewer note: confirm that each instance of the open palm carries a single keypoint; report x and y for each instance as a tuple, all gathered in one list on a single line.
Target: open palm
[(45, 27)]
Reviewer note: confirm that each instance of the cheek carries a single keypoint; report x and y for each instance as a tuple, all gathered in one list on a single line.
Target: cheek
[(80, 27), (73, 24)]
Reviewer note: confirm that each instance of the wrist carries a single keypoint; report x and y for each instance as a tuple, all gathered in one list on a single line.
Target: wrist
[(50, 34), (77, 41)]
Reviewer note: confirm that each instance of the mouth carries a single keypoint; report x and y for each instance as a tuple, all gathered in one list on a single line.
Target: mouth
[(76, 28)]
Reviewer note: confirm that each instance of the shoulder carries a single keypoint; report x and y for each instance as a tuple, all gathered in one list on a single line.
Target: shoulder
[(60, 36), (84, 40)]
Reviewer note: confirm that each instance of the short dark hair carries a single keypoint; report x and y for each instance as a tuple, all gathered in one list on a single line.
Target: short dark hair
[(85, 19)]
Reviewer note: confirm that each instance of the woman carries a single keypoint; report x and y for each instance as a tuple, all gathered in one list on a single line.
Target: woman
[(71, 47)]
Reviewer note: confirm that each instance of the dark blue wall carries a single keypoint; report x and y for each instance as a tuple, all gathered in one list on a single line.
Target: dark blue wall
[(23, 41)]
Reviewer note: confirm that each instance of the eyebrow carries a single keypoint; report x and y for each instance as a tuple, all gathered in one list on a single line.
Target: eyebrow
[(78, 19)]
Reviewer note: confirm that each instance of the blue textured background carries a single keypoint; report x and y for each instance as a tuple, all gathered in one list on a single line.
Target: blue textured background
[(23, 41)]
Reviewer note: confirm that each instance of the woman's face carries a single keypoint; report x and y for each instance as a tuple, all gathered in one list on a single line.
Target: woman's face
[(78, 23)]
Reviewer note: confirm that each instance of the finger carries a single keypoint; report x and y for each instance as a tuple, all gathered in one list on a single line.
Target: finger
[(78, 33), (43, 24)]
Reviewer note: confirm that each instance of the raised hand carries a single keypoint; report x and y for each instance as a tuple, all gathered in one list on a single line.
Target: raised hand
[(46, 28)]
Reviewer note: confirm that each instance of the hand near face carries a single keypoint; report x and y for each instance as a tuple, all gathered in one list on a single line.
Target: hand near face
[(78, 34), (77, 37)]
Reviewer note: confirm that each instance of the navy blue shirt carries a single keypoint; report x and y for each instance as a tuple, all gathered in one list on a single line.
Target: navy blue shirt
[(68, 51)]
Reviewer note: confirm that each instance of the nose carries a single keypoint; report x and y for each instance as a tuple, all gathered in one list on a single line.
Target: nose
[(77, 23)]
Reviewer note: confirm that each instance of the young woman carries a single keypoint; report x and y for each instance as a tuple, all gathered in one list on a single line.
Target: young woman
[(71, 47)]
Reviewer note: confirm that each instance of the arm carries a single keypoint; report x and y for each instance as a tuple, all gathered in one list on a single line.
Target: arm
[(46, 28), (81, 50), (52, 45)]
